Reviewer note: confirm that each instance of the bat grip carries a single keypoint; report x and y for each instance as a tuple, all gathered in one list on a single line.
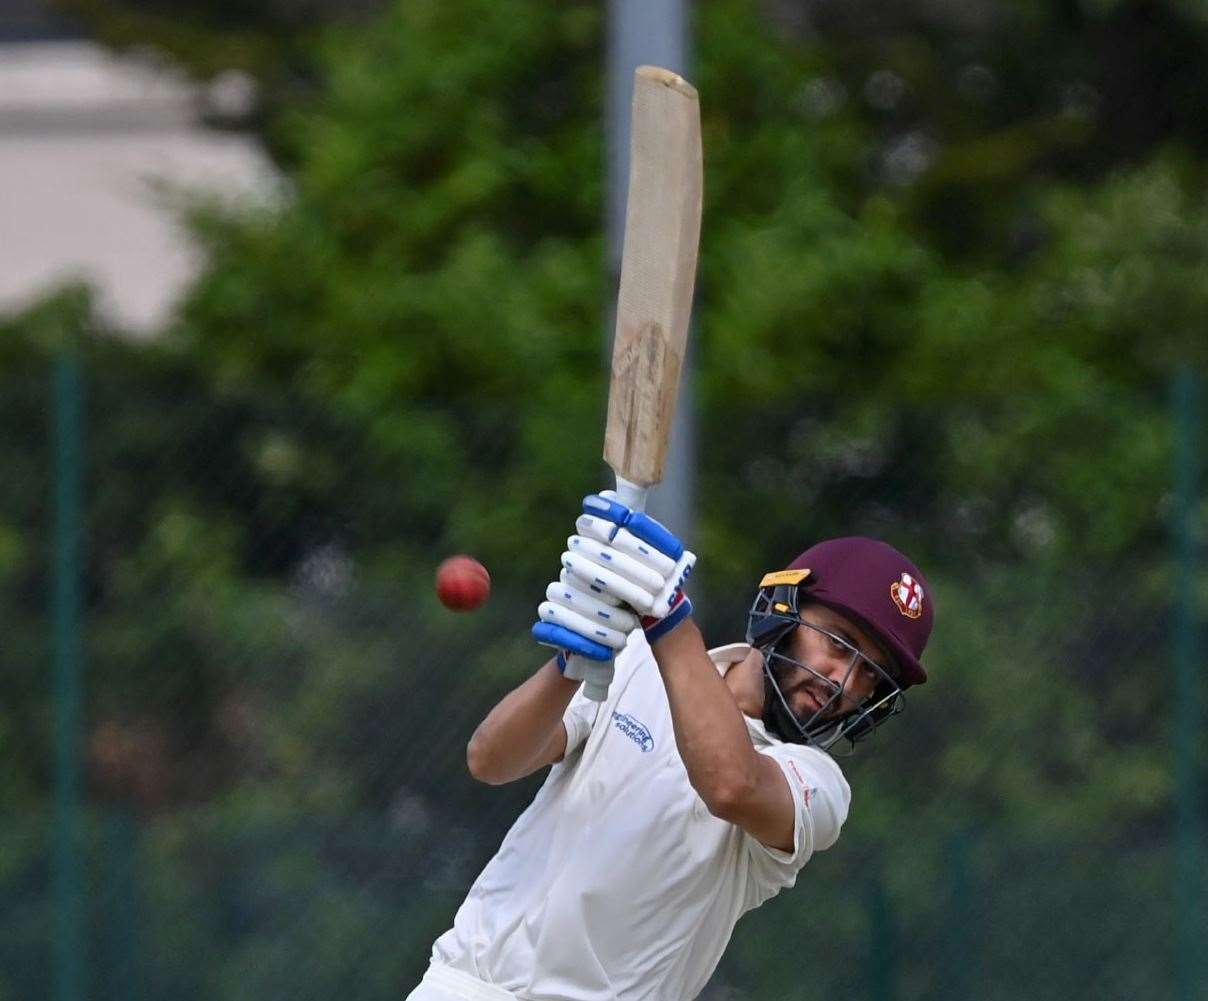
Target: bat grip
[(634, 498), (631, 495)]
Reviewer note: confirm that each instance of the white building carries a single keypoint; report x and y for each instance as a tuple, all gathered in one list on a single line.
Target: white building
[(95, 153)]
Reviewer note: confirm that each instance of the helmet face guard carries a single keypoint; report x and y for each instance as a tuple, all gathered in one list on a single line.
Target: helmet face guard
[(774, 618)]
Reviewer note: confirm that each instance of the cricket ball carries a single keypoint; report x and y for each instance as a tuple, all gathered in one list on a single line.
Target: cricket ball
[(462, 583)]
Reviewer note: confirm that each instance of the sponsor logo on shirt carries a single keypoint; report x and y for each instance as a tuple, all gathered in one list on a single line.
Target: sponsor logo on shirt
[(635, 730)]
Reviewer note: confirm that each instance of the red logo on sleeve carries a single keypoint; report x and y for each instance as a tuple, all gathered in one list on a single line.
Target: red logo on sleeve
[(806, 788)]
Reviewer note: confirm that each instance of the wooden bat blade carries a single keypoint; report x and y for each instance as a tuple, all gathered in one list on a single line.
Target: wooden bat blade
[(658, 272)]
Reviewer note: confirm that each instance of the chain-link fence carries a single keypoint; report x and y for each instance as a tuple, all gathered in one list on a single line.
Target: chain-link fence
[(272, 798)]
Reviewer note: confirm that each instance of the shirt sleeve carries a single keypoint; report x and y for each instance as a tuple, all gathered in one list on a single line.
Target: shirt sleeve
[(821, 798)]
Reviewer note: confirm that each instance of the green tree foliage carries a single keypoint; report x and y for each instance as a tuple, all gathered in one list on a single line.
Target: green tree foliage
[(403, 358), (971, 108), (437, 277)]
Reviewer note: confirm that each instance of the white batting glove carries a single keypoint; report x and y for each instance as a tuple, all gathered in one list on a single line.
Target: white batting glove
[(588, 628), (626, 555), (619, 562)]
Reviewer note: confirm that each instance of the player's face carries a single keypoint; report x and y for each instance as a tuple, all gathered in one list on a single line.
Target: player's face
[(844, 660)]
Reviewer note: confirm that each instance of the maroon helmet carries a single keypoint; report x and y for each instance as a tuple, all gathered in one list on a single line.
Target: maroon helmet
[(880, 590), (874, 584)]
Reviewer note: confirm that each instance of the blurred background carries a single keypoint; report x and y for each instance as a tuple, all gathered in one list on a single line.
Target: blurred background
[(298, 298)]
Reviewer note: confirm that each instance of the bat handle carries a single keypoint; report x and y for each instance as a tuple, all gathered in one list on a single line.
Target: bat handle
[(633, 497), (630, 494)]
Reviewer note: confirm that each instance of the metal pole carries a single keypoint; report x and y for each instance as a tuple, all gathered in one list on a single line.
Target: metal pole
[(1188, 707), (648, 32), (121, 905), (68, 660), (882, 956), (960, 982)]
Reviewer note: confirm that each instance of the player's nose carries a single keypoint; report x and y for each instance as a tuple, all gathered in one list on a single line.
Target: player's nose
[(834, 669), (836, 677)]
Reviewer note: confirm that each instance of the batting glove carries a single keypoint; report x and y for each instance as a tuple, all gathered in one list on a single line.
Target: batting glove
[(622, 555), (587, 628)]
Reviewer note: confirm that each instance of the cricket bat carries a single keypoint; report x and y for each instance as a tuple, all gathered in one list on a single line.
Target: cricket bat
[(658, 272)]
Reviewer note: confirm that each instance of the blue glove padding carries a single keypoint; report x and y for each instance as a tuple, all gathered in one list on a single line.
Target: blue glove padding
[(565, 639), (639, 524)]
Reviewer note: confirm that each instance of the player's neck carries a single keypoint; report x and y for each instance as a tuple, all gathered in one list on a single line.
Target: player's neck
[(745, 681)]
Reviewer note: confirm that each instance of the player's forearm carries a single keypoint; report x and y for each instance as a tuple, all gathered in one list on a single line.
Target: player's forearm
[(709, 729), (524, 731)]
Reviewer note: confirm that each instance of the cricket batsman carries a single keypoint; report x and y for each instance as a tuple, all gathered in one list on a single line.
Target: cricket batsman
[(699, 784)]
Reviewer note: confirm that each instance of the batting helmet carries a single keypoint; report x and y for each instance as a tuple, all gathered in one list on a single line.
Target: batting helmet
[(876, 587)]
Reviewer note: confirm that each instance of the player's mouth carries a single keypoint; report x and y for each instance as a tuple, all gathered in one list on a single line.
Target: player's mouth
[(813, 704)]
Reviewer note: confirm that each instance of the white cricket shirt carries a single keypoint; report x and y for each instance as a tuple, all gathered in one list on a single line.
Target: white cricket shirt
[(617, 882)]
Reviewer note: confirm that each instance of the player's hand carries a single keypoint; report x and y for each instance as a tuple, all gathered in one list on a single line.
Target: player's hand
[(626, 556), (572, 618), (586, 628)]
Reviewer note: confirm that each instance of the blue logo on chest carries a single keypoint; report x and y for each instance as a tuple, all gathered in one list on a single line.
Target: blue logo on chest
[(635, 730)]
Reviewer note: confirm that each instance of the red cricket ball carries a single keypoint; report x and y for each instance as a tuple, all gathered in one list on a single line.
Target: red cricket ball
[(462, 583)]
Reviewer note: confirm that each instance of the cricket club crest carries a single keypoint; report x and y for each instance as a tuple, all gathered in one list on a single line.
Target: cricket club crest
[(907, 594)]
